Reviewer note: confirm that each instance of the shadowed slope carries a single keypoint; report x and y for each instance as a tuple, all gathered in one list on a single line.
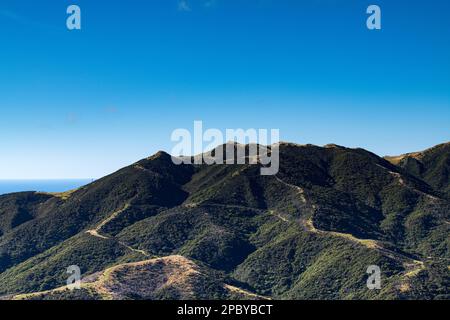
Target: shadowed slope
[(431, 165)]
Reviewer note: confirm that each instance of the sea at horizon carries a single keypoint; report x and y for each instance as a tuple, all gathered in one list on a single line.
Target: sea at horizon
[(13, 186)]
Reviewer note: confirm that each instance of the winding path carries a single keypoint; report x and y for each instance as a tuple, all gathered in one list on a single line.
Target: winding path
[(412, 266), (96, 231)]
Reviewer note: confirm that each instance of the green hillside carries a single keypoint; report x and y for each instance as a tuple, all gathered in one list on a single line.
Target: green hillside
[(310, 232)]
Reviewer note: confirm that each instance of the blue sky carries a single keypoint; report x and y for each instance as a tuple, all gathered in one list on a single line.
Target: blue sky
[(81, 104)]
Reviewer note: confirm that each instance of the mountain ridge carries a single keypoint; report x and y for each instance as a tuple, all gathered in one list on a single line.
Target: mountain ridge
[(330, 211)]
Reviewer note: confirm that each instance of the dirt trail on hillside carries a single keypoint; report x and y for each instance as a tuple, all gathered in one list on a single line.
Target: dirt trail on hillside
[(412, 266), (402, 182), (96, 231), (154, 275)]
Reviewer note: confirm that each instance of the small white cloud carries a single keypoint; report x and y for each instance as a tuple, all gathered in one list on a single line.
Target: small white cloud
[(183, 5)]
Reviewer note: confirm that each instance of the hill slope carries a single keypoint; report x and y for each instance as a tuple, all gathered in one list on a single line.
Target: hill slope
[(431, 165), (310, 232)]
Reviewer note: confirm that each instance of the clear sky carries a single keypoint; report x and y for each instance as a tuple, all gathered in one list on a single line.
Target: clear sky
[(81, 104)]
